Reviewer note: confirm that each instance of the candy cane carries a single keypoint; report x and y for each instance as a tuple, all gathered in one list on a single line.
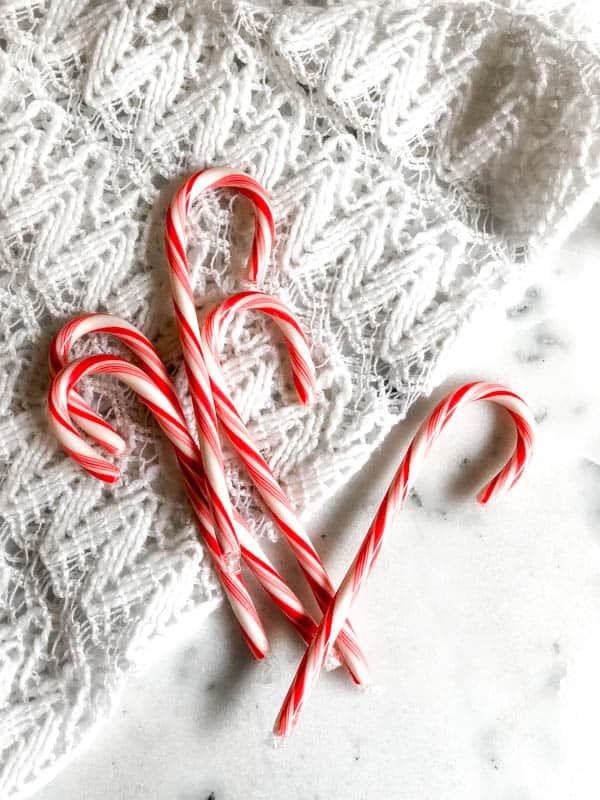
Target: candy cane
[(273, 496), (356, 577), (167, 416), (271, 581), (189, 332)]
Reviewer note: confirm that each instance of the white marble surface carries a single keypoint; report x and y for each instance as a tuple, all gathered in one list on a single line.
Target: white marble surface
[(481, 624)]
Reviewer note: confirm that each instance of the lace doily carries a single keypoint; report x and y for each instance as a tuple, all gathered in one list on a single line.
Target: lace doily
[(416, 156)]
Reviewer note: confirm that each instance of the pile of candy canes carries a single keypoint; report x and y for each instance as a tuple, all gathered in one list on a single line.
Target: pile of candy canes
[(331, 640)]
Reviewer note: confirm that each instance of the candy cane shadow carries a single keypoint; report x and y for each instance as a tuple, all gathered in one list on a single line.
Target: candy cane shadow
[(238, 684), (237, 674)]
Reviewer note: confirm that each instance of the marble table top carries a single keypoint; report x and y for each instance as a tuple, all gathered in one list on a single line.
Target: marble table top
[(481, 624)]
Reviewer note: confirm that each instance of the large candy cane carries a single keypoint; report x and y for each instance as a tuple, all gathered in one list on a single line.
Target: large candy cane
[(356, 577), (272, 494), (189, 332), (60, 348), (168, 417)]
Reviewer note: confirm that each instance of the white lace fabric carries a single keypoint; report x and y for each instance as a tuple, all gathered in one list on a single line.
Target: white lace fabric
[(416, 157)]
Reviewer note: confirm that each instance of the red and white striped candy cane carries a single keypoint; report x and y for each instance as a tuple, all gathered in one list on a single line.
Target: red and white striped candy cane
[(272, 494), (357, 574), (189, 332), (271, 581), (168, 417)]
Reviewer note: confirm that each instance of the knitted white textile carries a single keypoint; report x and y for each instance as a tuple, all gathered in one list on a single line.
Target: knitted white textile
[(416, 155)]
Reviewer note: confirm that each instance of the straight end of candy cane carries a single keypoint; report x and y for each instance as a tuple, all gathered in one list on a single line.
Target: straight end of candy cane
[(285, 724), (97, 467), (259, 652), (486, 495), (264, 232), (112, 478), (74, 446), (274, 742), (255, 272), (252, 275), (117, 449), (279, 732), (493, 491), (255, 638), (504, 481), (102, 433), (306, 396), (306, 389)]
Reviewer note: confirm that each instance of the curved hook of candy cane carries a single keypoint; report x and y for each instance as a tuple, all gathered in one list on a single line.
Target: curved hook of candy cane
[(166, 413), (357, 574), (60, 353), (172, 423), (303, 369), (266, 484), (224, 178)]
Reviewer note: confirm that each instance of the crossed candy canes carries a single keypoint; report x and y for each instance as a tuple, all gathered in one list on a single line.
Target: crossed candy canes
[(223, 530)]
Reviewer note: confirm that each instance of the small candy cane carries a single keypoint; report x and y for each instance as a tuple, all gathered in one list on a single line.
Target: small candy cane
[(60, 348), (272, 494), (169, 418), (356, 577), (189, 332), (59, 355)]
